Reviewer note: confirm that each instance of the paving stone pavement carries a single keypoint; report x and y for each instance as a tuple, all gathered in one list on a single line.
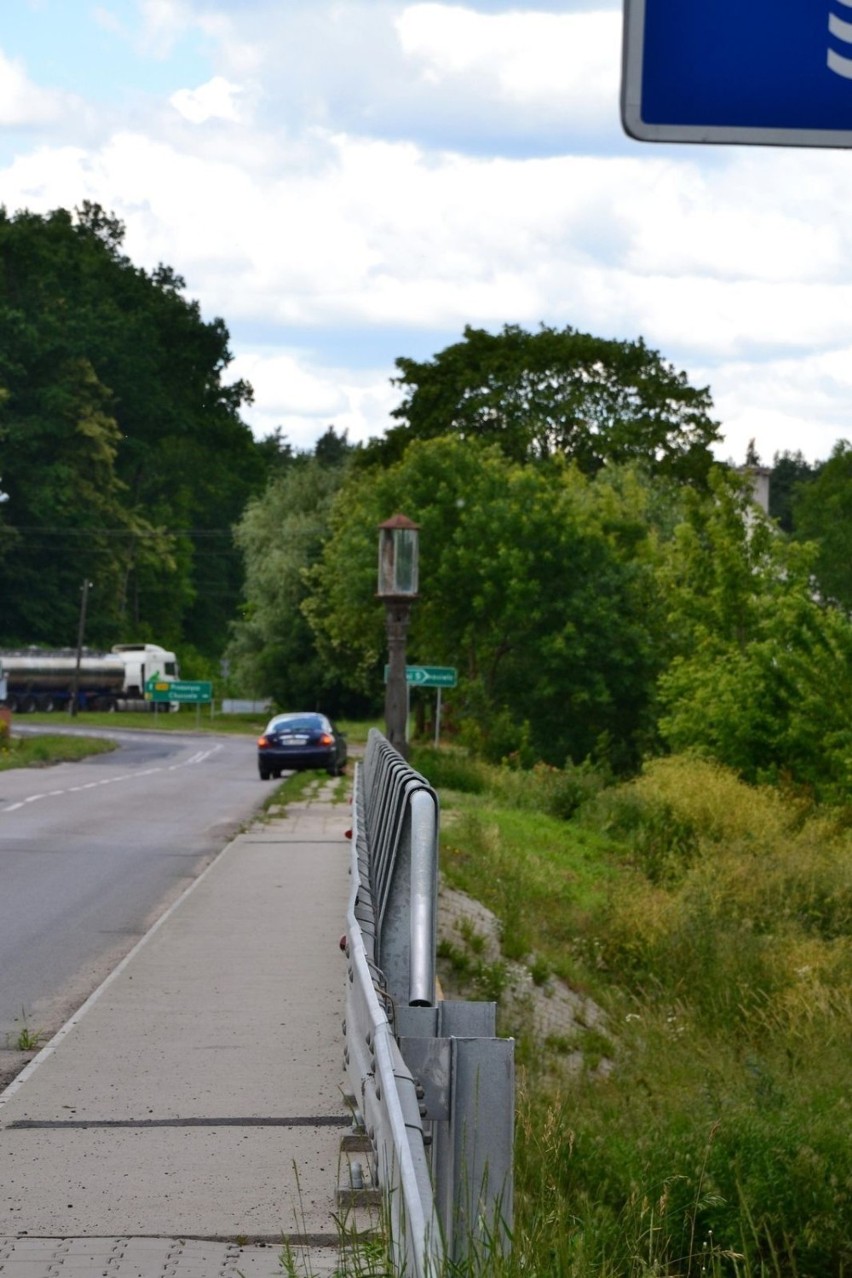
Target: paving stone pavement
[(189, 1118), (146, 1257)]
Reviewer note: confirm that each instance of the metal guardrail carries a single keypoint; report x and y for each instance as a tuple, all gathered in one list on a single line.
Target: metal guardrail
[(432, 1086)]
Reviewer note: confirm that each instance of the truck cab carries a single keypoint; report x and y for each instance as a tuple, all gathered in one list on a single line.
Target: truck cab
[(144, 661)]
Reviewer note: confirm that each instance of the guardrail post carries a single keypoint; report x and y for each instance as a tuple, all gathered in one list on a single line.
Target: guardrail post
[(467, 1078), (476, 1187), (433, 1083)]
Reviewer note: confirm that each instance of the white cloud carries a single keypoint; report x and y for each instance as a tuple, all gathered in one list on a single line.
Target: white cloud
[(302, 397), (23, 103), (754, 218), (786, 404), (218, 99), (556, 61), (288, 388), (47, 178), (163, 24), (242, 56)]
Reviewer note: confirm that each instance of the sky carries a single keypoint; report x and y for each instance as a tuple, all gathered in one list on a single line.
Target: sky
[(347, 182)]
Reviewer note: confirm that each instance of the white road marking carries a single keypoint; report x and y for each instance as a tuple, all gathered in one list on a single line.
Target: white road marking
[(200, 756)]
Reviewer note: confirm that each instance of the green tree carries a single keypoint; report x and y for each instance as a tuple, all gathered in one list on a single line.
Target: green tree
[(332, 449), (59, 464), (7, 537), (280, 535), (760, 676), (534, 584), (557, 392), (790, 473), (118, 420), (822, 513)]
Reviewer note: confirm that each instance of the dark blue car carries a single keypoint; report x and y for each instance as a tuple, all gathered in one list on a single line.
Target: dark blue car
[(294, 742)]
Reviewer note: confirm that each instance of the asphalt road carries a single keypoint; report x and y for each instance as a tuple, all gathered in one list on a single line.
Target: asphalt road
[(91, 853)]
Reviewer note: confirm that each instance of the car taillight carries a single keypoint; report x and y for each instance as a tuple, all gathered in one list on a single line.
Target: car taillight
[(263, 741), (325, 739)]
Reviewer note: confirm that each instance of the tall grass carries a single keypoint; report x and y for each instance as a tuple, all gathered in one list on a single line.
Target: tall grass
[(27, 752), (711, 921), (557, 791)]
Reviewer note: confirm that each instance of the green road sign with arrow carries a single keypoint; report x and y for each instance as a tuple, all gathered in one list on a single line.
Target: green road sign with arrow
[(429, 676)]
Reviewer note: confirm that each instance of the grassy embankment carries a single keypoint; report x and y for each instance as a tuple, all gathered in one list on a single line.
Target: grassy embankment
[(706, 1130), (33, 752)]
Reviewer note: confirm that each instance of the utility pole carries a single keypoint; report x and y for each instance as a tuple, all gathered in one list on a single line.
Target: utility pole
[(81, 630)]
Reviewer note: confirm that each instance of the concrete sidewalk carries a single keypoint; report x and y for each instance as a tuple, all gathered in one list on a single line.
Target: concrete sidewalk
[(190, 1117)]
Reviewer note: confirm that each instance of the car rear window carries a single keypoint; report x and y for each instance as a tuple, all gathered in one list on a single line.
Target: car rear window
[(297, 723)]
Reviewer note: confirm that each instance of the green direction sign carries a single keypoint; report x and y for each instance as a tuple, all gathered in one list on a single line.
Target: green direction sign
[(429, 676), (181, 690)]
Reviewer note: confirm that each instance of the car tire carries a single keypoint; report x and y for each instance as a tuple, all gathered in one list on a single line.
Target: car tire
[(264, 774)]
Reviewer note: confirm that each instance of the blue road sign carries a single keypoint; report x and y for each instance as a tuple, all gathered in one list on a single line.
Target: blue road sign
[(754, 71)]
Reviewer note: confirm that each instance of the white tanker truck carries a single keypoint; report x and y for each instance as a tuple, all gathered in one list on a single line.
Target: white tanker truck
[(42, 679)]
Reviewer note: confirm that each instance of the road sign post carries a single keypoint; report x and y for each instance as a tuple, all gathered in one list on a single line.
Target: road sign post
[(755, 72), (430, 677)]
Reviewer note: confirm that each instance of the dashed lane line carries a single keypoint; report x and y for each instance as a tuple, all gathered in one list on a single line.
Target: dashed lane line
[(200, 756)]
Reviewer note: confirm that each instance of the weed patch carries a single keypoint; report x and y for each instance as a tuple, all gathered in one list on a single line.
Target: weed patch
[(27, 1039)]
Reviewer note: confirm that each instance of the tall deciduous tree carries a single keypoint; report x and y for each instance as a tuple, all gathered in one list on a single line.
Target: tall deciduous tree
[(533, 584), (281, 534), (558, 392), (122, 452)]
